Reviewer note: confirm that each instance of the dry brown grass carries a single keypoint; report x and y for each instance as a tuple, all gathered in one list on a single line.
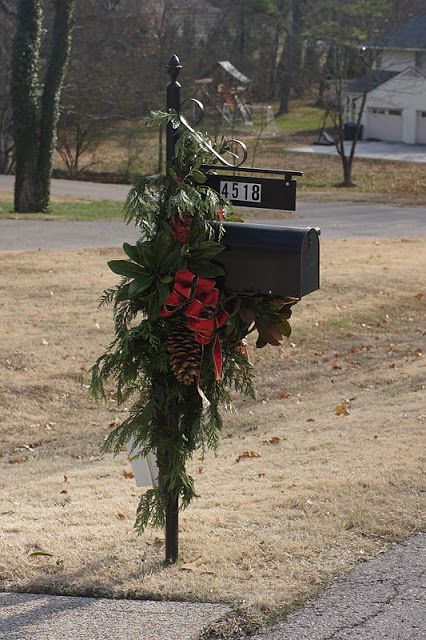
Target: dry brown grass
[(326, 491)]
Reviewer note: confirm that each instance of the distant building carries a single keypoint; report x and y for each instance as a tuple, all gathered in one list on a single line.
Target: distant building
[(395, 109)]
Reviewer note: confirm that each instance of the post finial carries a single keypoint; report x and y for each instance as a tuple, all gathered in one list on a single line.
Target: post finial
[(173, 66)]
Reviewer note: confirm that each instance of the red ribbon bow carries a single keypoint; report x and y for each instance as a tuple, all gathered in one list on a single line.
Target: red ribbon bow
[(198, 299)]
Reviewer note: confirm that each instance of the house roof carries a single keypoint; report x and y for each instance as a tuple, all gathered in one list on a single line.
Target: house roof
[(370, 81), (410, 35)]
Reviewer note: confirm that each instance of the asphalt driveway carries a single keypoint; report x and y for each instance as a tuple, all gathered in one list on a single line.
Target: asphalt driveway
[(396, 151)]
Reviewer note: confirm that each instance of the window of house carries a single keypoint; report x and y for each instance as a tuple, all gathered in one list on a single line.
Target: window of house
[(395, 112), (376, 110)]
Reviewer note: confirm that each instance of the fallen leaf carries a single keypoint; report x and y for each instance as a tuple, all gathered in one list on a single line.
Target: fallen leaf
[(419, 295), (41, 553), (335, 366), (342, 409), (120, 516), (17, 460), (283, 395), (310, 420), (273, 440), (128, 474), (261, 475), (248, 454), (191, 566), (65, 478)]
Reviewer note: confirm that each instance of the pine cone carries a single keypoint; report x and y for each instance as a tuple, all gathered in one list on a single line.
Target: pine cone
[(185, 353)]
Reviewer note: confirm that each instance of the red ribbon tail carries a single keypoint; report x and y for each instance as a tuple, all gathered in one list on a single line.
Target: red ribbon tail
[(217, 358)]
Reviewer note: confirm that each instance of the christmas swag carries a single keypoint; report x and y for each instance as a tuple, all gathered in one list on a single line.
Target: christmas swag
[(179, 347)]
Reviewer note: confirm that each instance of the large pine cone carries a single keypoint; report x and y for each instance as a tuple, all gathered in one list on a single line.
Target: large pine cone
[(185, 353)]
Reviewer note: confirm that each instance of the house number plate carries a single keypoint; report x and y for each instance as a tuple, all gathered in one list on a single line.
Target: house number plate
[(241, 191), (262, 193)]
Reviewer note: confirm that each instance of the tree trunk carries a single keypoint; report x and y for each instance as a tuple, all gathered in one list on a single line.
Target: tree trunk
[(25, 102), (35, 119), (62, 30), (291, 56), (347, 172)]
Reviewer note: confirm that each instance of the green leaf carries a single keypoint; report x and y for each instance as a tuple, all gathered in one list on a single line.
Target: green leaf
[(285, 328), (153, 307), (139, 284), (148, 257), (207, 250), (205, 269), (125, 268), (170, 261), (198, 176), (162, 246), (132, 252), (163, 291)]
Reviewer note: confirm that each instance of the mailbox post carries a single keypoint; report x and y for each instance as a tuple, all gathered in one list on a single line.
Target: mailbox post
[(267, 259)]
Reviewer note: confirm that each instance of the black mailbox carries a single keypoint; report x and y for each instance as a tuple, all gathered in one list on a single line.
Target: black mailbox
[(269, 259)]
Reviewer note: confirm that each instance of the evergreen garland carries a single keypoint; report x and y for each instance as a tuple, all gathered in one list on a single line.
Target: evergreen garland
[(179, 345)]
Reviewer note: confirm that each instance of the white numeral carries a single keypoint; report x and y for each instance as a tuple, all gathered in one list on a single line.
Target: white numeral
[(243, 191)]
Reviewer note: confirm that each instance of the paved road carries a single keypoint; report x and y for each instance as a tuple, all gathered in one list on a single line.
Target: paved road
[(77, 189), (384, 598), (44, 617), (335, 220)]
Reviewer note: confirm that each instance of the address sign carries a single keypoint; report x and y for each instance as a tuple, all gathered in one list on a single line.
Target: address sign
[(263, 193)]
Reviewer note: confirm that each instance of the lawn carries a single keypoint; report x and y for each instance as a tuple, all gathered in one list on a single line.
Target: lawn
[(337, 431), (64, 209)]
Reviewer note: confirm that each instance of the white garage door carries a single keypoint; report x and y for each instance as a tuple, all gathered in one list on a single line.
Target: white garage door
[(384, 124), (421, 127)]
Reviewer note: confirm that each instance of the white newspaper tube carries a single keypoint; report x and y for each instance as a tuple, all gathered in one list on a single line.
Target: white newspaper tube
[(144, 468)]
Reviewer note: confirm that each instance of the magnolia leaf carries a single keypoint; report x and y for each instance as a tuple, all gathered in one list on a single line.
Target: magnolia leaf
[(268, 334), (247, 315), (131, 251), (163, 291), (285, 328), (205, 268), (125, 268), (207, 249), (139, 284), (169, 261)]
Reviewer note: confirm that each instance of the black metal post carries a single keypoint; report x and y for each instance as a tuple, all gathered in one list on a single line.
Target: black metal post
[(172, 102)]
